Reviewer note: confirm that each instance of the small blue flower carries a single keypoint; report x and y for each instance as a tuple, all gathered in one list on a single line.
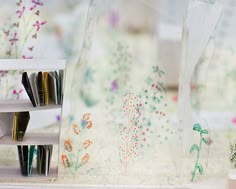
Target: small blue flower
[(83, 124)]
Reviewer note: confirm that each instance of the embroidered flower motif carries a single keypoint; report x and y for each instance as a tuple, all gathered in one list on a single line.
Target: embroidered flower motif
[(87, 143), (3, 73), (19, 3), (76, 129), (86, 122), (8, 53), (29, 57), (13, 39), (34, 36), (175, 98), (58, 118), (234, 120), (38, 25), (65, 160), (31, 48), (17, 93), (35, 4), (68, 145), (83, 124), (85, 159), (20, 12), (209, 141), (113, 18), (114, 86), (37, 13), (6, 32), (16, 24)]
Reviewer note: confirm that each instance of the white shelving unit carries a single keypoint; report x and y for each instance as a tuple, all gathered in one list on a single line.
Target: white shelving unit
[(9, 106)]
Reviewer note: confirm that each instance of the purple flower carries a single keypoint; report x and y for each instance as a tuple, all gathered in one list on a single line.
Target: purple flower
[(114, 86), (58, 117), (20, 12), (35, 4), (113, 18)]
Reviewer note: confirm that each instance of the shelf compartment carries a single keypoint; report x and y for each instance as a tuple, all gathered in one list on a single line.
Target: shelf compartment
[(15, 173), (32, 139), (16, 105)]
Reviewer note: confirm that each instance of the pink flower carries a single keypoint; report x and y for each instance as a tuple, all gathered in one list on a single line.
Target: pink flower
[(38, 25), (29, 57), (234, 120), (193, 86), (209, 141), (35, 4), (13, 39), (20, 12), (19, 3), (3, 73), (113, 19), (175, 98), (17, 93)]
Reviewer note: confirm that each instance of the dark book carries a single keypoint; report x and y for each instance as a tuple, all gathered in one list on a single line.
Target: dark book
[(40, 159), (30, 159), (58, 87), (52, 82), (47, 152), (44, 154), (40, 88), (23, 159), (27, 86), (33, 83), (20, 124), (61, 76)]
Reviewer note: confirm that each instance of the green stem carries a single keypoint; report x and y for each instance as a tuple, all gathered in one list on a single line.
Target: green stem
[(16, 50), (198, 155), (77, 164), (30, 18), (26, 38)]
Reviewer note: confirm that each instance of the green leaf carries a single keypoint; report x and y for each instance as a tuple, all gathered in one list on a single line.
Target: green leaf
[(205, 140), (204, 131), (200, 169), (197, 127), (194, 147)]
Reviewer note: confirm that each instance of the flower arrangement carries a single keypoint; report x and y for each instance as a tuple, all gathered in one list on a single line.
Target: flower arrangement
[(71, 158), (18, 38)]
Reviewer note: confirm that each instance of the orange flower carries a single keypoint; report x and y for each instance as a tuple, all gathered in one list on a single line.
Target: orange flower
[(76, 129), (87, 143), (89, 124), (86, 117), (68, 145), (85, 159), (65, 160)]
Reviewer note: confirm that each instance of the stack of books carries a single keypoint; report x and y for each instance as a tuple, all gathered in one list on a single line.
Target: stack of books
[(44, 88), (26, 157)]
